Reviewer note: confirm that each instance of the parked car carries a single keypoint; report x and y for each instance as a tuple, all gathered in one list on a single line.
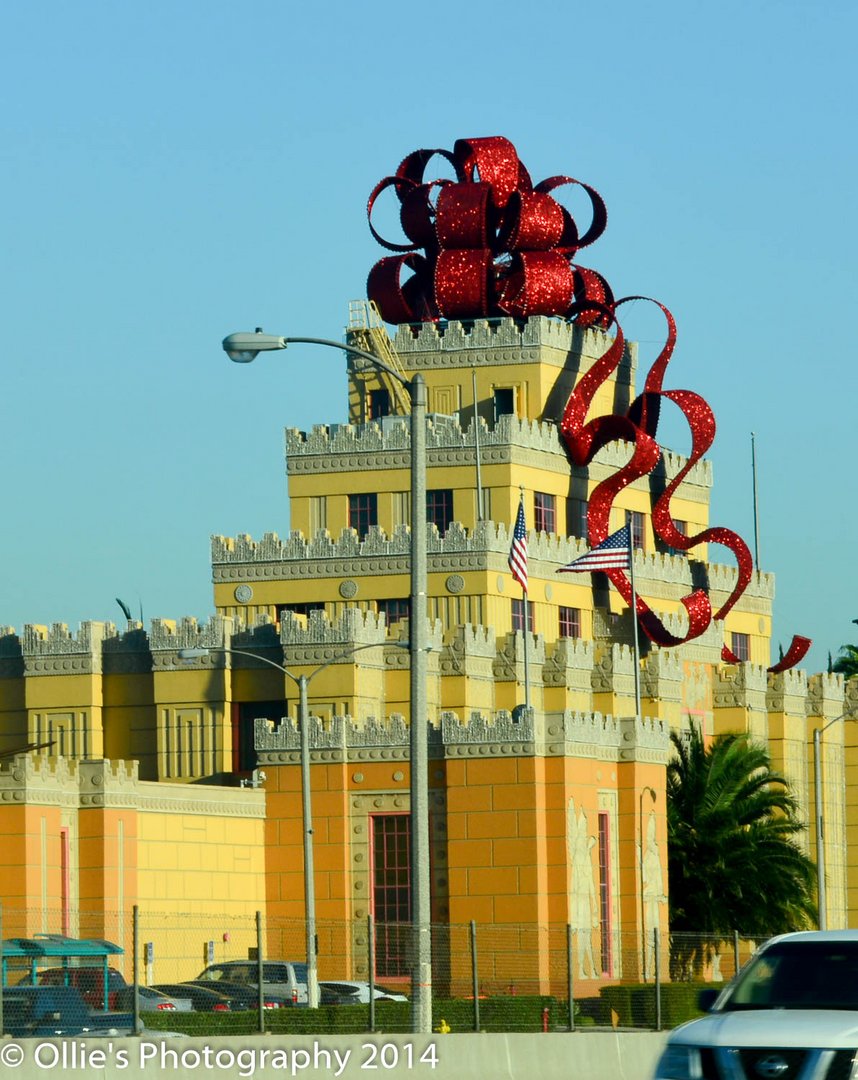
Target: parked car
[(358, 992), (151, 1000), (47, 1011), (791, 1012), (88, 980), (203, 999), (279, 977), (245, 992)]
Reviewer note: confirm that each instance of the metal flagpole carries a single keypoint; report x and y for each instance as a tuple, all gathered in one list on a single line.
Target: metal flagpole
[(756, 517), (635, 624)]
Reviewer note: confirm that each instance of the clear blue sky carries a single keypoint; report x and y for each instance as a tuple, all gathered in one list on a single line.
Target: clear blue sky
[(176, 171)]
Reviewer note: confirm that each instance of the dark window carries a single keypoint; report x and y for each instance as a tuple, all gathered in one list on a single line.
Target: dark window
[(576, 518), (570, 622), (299, 609), (681, 527), (504, 401), (518, 615), (605, 893), (244, 757), (363, 512), (439, 508), (741, 646), (544, 512), (379, 404), (394, 610), (636, 521), (391, 892)]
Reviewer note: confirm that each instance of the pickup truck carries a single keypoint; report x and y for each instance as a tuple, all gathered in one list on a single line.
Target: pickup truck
[(47, 1011), (790, 1014)]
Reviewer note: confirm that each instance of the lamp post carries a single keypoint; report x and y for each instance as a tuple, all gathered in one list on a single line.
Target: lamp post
[(821, 898), (302, 682), (653, 795), (243, 348)]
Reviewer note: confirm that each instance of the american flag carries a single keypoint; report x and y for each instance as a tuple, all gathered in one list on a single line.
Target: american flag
[(518, 550), (611, 554)]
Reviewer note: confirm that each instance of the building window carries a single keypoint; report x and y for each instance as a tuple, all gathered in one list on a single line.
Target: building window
[(439, 508), (244, 713), (363, 512), (544, 512), (394, 610), (379, 403), (636, 522), (576, 518), (504, 401), (391, 892), (318, 513), (570, 622), (605, 892), (401, 505), (298, 609), (518, 615), (740, 646)]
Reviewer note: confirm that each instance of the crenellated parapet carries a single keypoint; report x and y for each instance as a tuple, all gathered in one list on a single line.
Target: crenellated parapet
[(57, 650), (741, 686), (614, 671), (509, 661), (60, 781), (570, 664), (385, 444), (787, 692), (128, 652), (497, 734), (471, 651), (826, 695), (662, 675), (168, 636)]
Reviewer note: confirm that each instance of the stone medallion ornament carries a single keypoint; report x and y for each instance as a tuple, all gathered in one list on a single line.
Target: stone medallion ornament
[(243, 594), (455, 583), (348, 589)]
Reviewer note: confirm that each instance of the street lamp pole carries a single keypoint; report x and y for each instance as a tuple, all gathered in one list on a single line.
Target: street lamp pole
[(303, 683), (243, 348), (821, 897)]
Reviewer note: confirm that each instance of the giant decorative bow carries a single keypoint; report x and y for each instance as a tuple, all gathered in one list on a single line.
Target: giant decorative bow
[(491, 243)]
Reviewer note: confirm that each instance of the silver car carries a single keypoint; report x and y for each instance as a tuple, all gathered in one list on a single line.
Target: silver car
[(280, 977)]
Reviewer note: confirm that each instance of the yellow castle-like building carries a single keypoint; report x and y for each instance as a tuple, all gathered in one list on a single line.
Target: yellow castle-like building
[(132, 776)]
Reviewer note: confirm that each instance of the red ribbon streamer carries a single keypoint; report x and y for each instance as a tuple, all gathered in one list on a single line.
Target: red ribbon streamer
[(490, 243)]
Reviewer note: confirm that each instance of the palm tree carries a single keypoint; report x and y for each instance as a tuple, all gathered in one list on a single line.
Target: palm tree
[(847, 661), (733, 863)]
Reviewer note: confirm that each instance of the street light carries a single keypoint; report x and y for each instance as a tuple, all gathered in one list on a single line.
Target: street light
[(820, 827), (652, 792), (302, 682), (243, 348)]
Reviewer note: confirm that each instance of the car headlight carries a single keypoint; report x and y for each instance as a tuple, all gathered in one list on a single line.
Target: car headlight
[(678, 1062)]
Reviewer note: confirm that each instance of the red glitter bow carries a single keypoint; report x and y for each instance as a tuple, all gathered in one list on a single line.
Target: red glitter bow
[(494, 244)]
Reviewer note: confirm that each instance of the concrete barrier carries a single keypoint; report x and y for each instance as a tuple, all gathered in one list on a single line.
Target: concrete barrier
[(557, 1056)]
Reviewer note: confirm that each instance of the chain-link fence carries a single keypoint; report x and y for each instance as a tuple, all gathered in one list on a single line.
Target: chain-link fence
[(485, 977)]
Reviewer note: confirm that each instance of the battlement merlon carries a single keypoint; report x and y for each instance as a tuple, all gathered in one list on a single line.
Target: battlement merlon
[(235, 559), (350, 447), (537, 339)]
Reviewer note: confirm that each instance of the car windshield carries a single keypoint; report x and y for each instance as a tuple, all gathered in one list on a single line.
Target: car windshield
[(799, 975)]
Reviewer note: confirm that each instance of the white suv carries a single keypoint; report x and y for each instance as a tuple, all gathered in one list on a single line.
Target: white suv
[(790, 1014)]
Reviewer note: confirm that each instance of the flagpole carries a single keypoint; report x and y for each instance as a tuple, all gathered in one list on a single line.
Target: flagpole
[(635, 625)]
